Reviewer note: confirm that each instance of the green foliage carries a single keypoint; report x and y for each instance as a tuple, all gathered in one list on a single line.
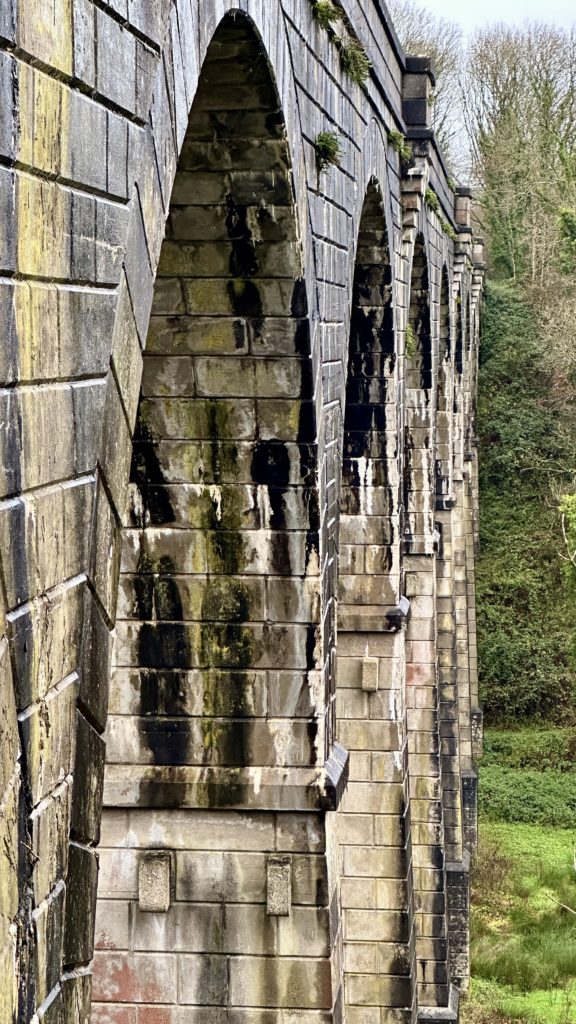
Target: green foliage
[(567, 225), (328, 150), (326, 13), (523, 941), (519, 795), (538, 749), (400, 145), (410, 342), (431, 200), (433, 203), (448, 229), (525, 622), (355, 61)]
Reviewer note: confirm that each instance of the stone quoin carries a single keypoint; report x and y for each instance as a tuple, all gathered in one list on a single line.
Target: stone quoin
[(238, 520)]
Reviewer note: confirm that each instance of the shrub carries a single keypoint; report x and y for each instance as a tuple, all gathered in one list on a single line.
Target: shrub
[(328, 150), (542, 798), (355, 61), (525, 619)]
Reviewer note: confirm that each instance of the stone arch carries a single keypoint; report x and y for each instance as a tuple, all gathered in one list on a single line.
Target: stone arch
[(374, 828), (216, 710), (445, 396), (369, 512), (224, 443), (459, 383), (419, 422)]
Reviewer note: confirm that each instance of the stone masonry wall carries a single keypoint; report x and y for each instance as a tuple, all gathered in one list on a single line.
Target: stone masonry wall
[(238, 521)]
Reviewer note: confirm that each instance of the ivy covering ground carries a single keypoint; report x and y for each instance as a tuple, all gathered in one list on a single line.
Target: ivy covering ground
[(525, 595)]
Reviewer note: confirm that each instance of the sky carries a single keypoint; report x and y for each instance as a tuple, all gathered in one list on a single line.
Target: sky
[(472, 14)]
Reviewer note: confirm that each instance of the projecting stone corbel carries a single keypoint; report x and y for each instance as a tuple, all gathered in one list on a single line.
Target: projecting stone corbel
[(336, 769)]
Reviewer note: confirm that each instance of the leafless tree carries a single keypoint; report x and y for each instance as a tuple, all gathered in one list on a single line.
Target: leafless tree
[(423, 34)]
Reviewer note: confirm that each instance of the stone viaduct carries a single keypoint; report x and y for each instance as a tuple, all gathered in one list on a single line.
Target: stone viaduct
[(237, 403)]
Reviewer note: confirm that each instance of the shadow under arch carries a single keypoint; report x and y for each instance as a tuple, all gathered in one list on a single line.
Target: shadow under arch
[(369, 497), (445, 398), (418, 443), (371, 683)]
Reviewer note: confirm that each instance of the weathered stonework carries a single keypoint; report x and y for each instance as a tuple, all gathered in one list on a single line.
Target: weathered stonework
[(238, 522)]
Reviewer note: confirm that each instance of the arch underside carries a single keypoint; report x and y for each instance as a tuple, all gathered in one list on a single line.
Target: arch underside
[(217, 697)]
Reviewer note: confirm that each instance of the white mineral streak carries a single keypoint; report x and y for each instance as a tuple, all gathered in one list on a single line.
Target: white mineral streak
[(280, 733), (366, 477), (256, 775), (216, 496)]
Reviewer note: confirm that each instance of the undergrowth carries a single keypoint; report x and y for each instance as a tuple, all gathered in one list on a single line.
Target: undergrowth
[(524, 881), (525, 617)]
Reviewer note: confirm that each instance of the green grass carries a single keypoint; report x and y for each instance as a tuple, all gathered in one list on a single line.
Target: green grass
[(523, 939), (491, 1003)]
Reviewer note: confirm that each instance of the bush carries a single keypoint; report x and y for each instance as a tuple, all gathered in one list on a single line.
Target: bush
[(538, 798), (539, 749), (525, 617)]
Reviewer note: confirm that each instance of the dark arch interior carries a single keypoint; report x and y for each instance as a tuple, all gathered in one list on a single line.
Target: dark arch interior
[(444, 393), (369, 572), (418, 454), (219, 606)]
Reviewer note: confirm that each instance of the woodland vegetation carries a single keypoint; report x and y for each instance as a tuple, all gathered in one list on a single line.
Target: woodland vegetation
[(505, 110)]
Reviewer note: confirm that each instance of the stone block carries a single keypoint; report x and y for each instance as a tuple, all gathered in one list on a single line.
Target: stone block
[(84, 33), (265, 981), (155, 882), (96, 656), (44, 638), (202, 980), (50, 825), (116, 69), (45, 30), (49, 737), (48, 923), (113, 925), (370, 667), (88, 782), (81, 884), (147, 978), (279, 886)]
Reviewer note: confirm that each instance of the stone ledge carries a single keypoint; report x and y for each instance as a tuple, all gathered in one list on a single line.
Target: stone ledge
[(372, 619), (442, 1015), (459, 867), (259, 789), (444, 503), (428, 545)]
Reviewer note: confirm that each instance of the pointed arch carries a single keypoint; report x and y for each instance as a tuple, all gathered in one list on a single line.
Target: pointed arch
[(445, 396), (418, 444), (369, 512)]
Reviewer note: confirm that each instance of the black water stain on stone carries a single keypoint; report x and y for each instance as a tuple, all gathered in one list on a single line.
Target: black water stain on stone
[(243, 258), (146, 470)]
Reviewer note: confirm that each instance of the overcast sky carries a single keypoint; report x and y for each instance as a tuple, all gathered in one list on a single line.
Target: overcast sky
[(473, 13)]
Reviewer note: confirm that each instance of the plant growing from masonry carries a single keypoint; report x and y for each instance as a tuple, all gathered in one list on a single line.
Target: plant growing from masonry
[(355, 61), (431, 200), (433, 203), (326, 13), (410, 342), (353, 57), (400, 144), (328, 150)]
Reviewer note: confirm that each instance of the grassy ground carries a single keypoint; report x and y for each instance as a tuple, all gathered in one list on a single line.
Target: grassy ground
[(523, 937)]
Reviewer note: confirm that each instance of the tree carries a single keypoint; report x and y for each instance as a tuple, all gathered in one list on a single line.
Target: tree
[(423, 34)]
